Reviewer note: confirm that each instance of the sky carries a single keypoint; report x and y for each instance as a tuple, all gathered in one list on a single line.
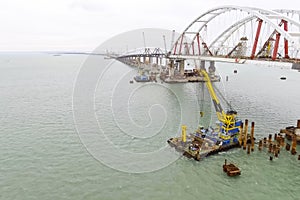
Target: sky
[(82, 25)]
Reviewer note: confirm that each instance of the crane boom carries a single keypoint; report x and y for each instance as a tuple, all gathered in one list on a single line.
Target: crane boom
[(227, 119), (216, 102)]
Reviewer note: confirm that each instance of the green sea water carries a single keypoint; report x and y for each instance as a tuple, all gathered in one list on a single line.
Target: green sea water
[(43, 157)]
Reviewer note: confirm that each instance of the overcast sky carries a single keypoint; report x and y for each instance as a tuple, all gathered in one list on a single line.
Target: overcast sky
[(82, 25)]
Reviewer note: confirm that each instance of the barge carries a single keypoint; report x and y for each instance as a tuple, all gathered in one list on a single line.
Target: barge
[(231, 169), (205, 142), (292, 131)]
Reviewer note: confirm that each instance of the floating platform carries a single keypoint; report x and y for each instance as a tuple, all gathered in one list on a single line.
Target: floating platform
[(292, 131), (231, 169), (190, 79), (142, 78), (198, 146), (296, 66)]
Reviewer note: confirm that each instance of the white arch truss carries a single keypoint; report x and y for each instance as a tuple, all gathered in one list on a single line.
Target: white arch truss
[(288, 11), (228, 32), (252, 13)]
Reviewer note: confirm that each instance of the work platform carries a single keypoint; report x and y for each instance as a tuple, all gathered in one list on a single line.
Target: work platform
[(198, 148)]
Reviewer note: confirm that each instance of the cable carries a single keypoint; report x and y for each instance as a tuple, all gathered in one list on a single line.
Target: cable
[(222, 97)]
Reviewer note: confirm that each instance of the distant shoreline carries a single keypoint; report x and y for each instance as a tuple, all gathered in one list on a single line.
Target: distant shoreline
[(53, 52)]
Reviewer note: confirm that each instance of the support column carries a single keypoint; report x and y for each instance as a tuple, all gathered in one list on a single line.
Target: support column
[(260, 145), (286, 43), (175, 47), (198, 43), (202, 64), (186, 49), (256, 38), (270, 139), (180, 46), (183, 133), (276, 46), (181, 67), (294, 144), (245, 134), (241, 135), (171, 69), (212, 68), (252, 136), (193, 50)]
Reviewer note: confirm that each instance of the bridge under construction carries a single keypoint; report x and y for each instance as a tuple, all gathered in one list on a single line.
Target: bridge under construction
[(224, 34)]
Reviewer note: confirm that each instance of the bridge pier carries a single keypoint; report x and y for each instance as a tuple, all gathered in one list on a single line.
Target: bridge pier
[(181, 67), (212, 68), (202, 64), (171, 69)]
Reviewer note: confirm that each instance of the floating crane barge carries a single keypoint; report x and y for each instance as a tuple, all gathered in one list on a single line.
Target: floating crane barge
[(230, 133), (205, 142)]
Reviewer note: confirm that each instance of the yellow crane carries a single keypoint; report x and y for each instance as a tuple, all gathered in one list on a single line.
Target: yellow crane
[(229, 124), (204, 142)]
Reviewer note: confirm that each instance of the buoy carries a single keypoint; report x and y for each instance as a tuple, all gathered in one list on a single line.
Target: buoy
[(283, 78), (201, 113), (235, 71)]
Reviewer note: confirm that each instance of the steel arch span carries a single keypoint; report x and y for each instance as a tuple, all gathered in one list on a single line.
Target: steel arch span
[(241, 32)]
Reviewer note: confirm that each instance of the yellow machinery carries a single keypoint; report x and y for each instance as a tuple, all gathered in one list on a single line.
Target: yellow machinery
[(269, 48), (183, 133), (228, 119)]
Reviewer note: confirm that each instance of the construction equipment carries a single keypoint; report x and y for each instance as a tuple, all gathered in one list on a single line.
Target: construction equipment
[(229, 124), (205, 142)]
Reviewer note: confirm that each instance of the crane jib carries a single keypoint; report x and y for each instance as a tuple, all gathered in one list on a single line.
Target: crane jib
[(218, 107)]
